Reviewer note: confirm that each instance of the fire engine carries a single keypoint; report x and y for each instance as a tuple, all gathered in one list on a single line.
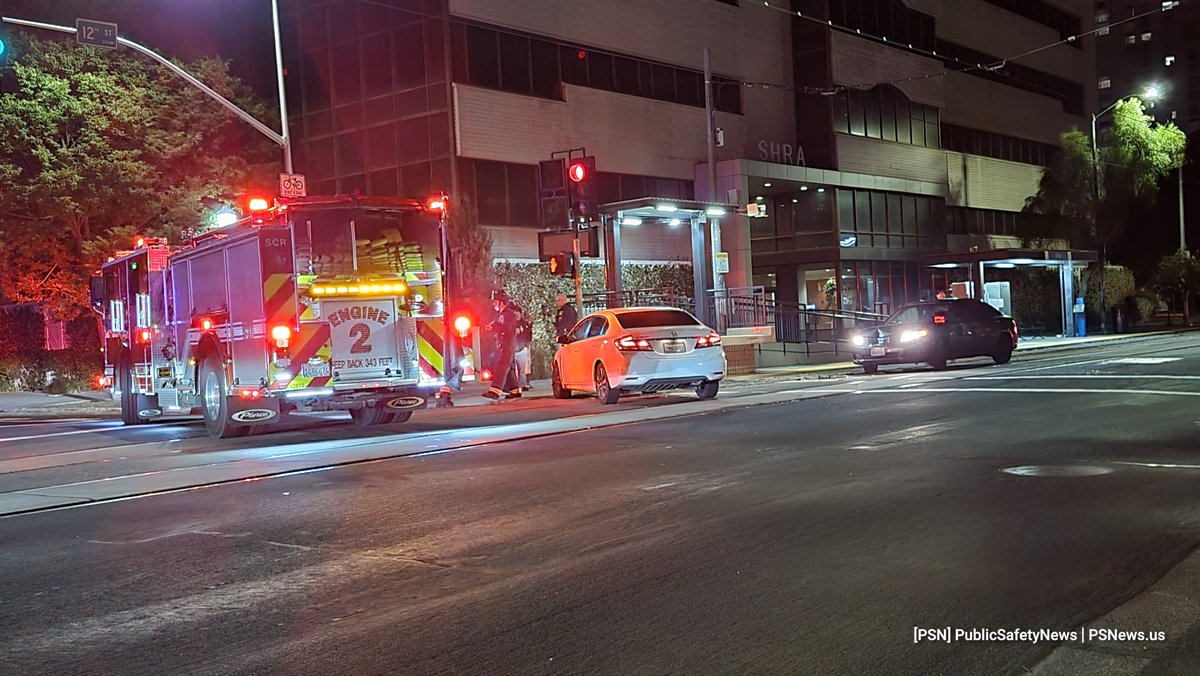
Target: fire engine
[(311, 304)]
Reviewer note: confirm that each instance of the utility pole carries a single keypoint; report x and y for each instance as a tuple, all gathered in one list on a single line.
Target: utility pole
[(714, 224), (1182, 232), (1096, 226)]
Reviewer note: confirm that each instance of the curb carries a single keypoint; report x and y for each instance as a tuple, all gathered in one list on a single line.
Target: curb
[(1170, 605)]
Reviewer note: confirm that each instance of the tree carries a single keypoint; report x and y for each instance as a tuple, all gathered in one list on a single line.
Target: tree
[(99, 145), (1134, 153), (1178, 273), (471, 251)]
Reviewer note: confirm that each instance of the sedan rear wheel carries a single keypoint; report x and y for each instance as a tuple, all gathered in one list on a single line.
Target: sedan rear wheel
[(708, 389), (604, 391), (1004, 353), (870, 368)]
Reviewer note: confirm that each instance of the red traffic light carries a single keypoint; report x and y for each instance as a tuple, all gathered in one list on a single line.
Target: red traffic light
[(578, 172)]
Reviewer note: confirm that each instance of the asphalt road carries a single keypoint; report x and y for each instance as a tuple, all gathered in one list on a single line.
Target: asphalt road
[(804, 537)]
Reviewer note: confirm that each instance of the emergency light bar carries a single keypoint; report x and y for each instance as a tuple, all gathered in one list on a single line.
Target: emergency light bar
[(358, 289)]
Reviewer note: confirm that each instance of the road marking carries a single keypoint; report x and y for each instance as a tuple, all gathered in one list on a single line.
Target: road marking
[(1004, 390), (109, 427), (1166, 465), (1089, 376), (1144, 360), (654, 488)]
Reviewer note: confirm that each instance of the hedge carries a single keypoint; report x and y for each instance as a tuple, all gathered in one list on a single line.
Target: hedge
[(533, 288)]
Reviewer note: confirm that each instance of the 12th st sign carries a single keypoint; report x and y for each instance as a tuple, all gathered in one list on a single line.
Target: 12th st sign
[(96, 33)]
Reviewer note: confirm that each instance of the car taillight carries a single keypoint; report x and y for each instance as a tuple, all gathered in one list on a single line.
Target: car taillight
[(1016, 331), (632, 344), (939, 318), (713, 339)]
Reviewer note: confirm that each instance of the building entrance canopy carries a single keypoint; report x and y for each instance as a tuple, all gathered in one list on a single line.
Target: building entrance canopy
[(979, 261), (669, 213)]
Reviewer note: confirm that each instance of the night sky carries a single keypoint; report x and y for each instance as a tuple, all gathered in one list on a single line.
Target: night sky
[(238, 30)]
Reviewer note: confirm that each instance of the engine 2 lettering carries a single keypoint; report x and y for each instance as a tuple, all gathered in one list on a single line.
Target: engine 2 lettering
[(382, 317)]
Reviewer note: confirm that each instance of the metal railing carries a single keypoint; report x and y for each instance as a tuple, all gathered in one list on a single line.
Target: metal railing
[(658, 296), (795, 323)]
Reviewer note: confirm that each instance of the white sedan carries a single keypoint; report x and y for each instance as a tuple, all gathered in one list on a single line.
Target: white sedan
[(651, 349)]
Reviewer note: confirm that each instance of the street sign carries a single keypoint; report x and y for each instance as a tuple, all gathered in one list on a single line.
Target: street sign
[(722, 263), (292, 185), (96, 33)]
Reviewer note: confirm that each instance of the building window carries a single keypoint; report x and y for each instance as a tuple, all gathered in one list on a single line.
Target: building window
[(1103, 30), (1131, 39), (999, 146), (1105, 83), (1169, 60), (885, 113), (1169, 4), (1146, 36), (1101, 17), (1015, 75), (891, 19), (1048, 15), (510, 62), (888, 220)]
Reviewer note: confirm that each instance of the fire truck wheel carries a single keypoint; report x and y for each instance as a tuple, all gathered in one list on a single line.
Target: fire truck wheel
[(214, 393), (129, 413), (378, 415)]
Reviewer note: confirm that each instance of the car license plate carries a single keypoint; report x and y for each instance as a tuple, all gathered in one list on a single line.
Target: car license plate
[(878, 351), (315, 369), (674, 347)]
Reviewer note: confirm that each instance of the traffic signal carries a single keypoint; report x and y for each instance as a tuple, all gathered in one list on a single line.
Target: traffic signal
[(552, 193), (581, 190), (562, 264)]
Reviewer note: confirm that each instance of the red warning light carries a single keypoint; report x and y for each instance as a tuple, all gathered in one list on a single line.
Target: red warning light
[(259, 204), (578, 172), (206, 324), (462, 324), (581, 55), (436, 204), (140, 243)]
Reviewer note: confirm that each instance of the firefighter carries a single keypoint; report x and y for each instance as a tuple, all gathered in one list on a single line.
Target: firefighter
[(445, 394), (504, 330)]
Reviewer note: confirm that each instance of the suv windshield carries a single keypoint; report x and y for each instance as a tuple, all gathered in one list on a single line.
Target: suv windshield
[(646, 319), (913, 314)]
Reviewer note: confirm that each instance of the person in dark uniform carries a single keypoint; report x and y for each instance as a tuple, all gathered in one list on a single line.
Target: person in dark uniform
[(504, 330), (565, 318)]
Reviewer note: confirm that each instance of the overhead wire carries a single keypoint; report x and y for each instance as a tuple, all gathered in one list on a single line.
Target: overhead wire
[(993, 67)]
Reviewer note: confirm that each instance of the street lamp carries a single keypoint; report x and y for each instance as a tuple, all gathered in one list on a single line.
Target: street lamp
[(226, 217), (1150, 94)]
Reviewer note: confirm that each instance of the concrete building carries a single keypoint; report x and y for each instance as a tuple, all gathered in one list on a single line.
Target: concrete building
[(871, 145), (1159, 50)]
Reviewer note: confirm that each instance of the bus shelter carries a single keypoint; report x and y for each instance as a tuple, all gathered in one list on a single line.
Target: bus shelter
[(978, 263)]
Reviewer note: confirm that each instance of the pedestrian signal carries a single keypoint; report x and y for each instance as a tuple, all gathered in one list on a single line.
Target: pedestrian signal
[(562, 264)]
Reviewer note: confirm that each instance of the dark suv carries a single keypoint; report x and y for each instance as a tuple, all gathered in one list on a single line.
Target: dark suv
[(936, 332)]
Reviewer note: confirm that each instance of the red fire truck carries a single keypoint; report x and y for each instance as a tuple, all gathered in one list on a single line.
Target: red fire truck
[(313, 304)]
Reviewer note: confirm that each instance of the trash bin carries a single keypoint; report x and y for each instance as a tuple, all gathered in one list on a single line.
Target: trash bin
[(1080, 318)]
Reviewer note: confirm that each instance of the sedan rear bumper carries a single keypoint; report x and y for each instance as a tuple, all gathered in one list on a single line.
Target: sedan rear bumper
[(645, 374), (895, 355)]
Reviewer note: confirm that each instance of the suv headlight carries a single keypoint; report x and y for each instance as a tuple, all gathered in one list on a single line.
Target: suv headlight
[(859, 339), (910, 336)]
